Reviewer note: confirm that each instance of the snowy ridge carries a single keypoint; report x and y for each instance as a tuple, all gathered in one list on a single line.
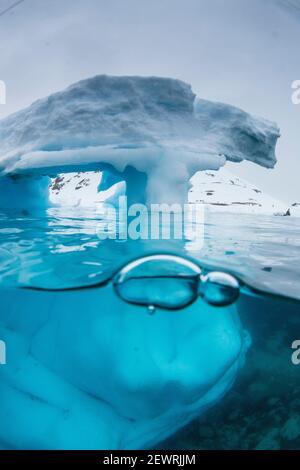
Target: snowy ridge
[(218, 190), (81, 189), (294, 209), (223, 191)]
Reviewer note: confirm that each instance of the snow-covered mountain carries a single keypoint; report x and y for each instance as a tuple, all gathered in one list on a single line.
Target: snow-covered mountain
[(81, 189), (218, 190), (222, 190)]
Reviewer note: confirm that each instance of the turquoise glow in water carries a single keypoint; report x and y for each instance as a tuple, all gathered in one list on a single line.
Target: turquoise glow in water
[(95, 370)]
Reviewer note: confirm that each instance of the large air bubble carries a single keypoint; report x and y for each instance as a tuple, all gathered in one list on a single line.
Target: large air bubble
[(164, 281)]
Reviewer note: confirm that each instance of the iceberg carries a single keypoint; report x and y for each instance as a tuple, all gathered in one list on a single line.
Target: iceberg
[(152, 133), (85, 370)]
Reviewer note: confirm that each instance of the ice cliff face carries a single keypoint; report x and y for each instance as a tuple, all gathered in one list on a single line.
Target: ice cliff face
[(149, 132)]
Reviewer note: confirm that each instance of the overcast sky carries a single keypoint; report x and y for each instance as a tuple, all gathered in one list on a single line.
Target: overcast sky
[(243, 52)]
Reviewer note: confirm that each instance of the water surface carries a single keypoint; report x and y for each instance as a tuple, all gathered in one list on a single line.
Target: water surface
[(262, 410)]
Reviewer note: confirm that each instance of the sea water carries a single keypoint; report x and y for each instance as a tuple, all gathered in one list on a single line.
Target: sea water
[(262, 408)]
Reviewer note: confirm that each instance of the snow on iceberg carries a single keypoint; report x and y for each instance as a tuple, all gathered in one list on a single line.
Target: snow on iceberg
[(150, 132)]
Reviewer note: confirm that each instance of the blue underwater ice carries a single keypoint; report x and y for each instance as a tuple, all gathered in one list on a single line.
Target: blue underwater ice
[(86, 370)]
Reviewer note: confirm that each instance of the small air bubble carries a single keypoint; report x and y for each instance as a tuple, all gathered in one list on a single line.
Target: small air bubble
[(151, 309)]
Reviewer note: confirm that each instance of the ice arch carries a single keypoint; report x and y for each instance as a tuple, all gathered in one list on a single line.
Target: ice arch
[(149, 130)]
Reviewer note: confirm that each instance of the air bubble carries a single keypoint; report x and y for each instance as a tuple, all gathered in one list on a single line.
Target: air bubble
[(151, 309), (219, 289)]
